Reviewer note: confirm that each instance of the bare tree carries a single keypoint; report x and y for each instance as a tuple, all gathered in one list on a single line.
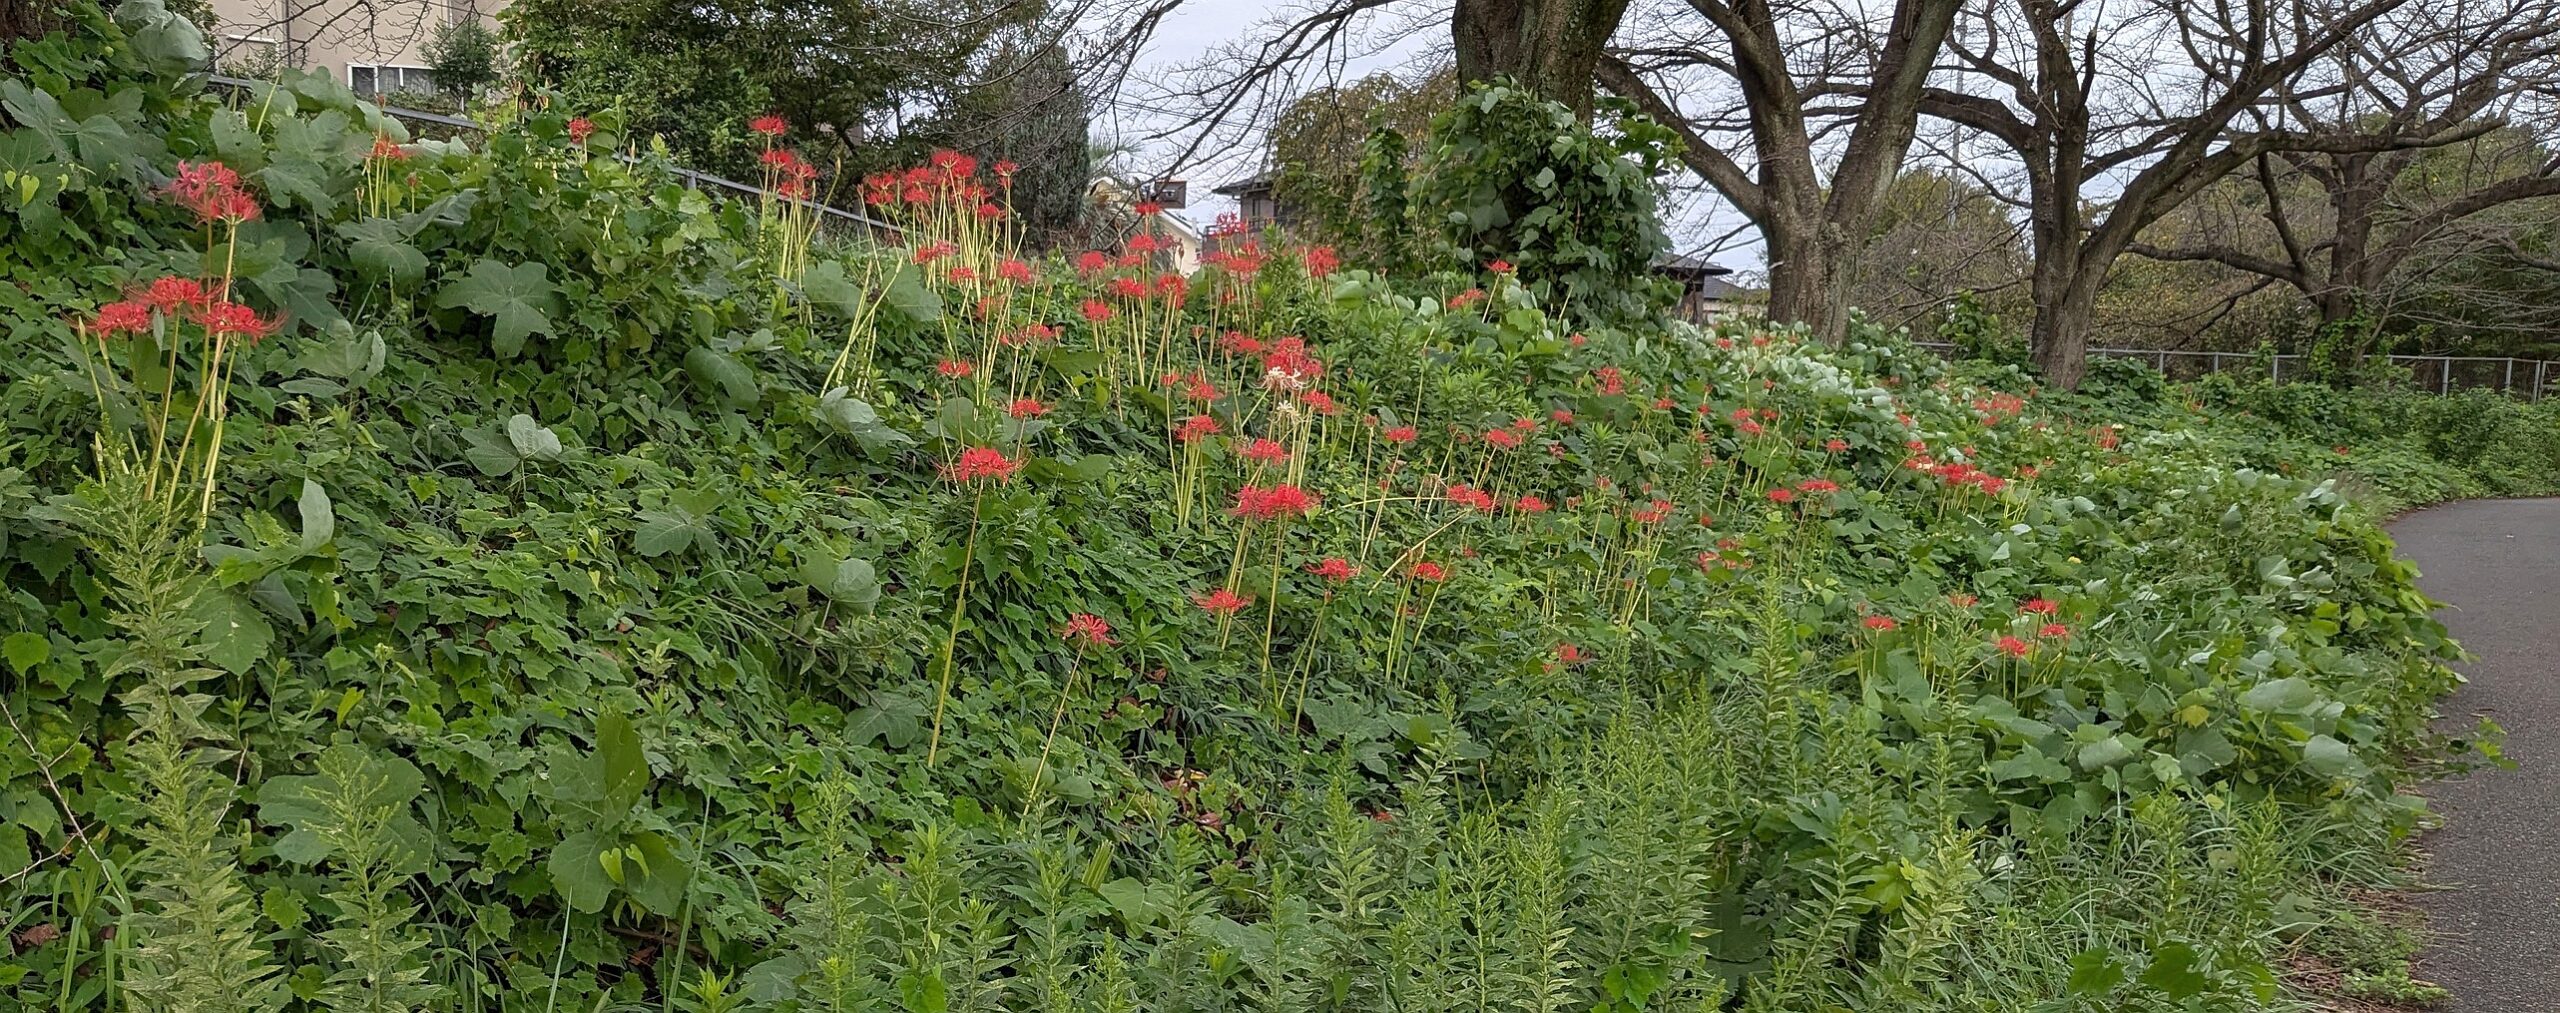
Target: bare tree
[(2117, 114), (1799, 80), (2337, 226), (1552, 47)]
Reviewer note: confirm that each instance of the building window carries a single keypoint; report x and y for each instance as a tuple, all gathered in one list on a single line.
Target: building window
[(385, 79)]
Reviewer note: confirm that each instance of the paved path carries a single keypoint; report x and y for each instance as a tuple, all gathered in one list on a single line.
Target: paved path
[(2497, 564)]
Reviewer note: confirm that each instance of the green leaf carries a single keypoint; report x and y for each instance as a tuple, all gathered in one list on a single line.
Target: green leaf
[(845, 581), (853, 417), (2094, 972), (319, 519), (2328, 757), (826, 284), (532, 441), (522, 299), (723, 376), (490, 453), (667, 530), (577, 870), (2173, 971), (235, 634), (25, 651), (2279, 695), (380, 248), (624, 768), (907, 293)]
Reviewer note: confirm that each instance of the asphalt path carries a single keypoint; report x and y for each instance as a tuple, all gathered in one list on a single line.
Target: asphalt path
[(2495, 922)]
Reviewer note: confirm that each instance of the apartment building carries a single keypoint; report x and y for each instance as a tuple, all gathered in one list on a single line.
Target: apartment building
[(377, 47)]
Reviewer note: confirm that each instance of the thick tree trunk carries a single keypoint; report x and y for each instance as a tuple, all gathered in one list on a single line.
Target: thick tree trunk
[(1551, 47), (2061, 332), (1809, 270)]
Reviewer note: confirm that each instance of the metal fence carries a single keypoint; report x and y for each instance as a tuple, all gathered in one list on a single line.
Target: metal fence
[(831, 215), (2530, 379)]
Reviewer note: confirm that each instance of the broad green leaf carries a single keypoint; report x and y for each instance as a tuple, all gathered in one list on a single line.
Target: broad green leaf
[(624, 767), (531, 440), (2329, 757), (667, 530), (577, 870), (845, 581), (908, 294), (319, 519), (521, 298), (380, 247), (723, 376), (235, 634), (25, 651), (2173, 971), (2279, 695), (490, 453), (2094, 972)]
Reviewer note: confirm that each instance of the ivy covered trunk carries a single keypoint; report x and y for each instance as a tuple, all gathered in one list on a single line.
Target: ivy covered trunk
[(1550, 47)]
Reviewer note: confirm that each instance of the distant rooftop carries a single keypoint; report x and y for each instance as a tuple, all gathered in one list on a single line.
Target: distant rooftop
[(1257, 183)]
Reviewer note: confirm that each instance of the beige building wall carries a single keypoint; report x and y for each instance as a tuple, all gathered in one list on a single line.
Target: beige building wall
[(374, 46)]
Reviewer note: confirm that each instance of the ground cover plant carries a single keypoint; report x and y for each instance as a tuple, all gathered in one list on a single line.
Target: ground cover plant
[(492, 576)]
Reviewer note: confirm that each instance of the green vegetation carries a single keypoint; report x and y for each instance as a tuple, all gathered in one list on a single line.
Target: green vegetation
[(494, 577)]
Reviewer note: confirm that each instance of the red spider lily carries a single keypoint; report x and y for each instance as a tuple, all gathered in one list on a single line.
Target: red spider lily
[(1005, 170), (1561, 417), (1652, 513), (1335, 569), (1289, 355), (1471, 497), (214, 192), (1319, 402), (963, 274), (1570, 654), (1279, 502), (953, 369), (1141, 243), (1240, 343), (1962, 600), (1196, 387), (1030, 334), (1782, 494), (953, 164), (1881, 623), (1147, 208), (1193, 429), (1084, 629), (1128, 288), (1664, 404), (1467, 298), (2015, 647), (1818, 485), (1530, 505), (1428, 570), (2054, 631), (128, 317), (1524, 425), (990, 212), (1399, 434), (1502, 439), (1707, 560), (1092, 262), (1026, 408), (1576, 340), (778, 158), (1172, 287), (982, 462), (174, 295), (1015, 271), (1266, 451), (1095, 311), (1611, 380), (1835, 444), (1320, 261), (1222, 601), (793, 189), (934, 251), (1499, 267), (2038, 606), (581, 128), (769, 126), (1748, 427), (230, 319), (387, 150)]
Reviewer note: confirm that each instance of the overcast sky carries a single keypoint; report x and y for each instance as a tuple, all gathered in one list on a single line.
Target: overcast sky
[(1696, 224)]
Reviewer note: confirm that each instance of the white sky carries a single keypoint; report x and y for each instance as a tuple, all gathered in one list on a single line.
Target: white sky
[(1199, 26)]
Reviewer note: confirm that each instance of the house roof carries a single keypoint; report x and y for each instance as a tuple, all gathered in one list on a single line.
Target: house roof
[(1720, 290), (1257, 183), (1691, 268)]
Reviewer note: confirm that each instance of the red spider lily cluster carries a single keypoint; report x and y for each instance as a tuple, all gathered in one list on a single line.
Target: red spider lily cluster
[(1086, 630), (214, 192), (181, 299), (979, 463), (1277, 502), (1221, 602)]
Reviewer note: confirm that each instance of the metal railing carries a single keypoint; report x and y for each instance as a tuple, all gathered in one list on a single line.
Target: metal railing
[(827, 213), (2530, 379)]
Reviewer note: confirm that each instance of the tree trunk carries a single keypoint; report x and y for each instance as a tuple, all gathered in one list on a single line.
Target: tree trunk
[(1551, 47), (1809, 269), (2061, 332)]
